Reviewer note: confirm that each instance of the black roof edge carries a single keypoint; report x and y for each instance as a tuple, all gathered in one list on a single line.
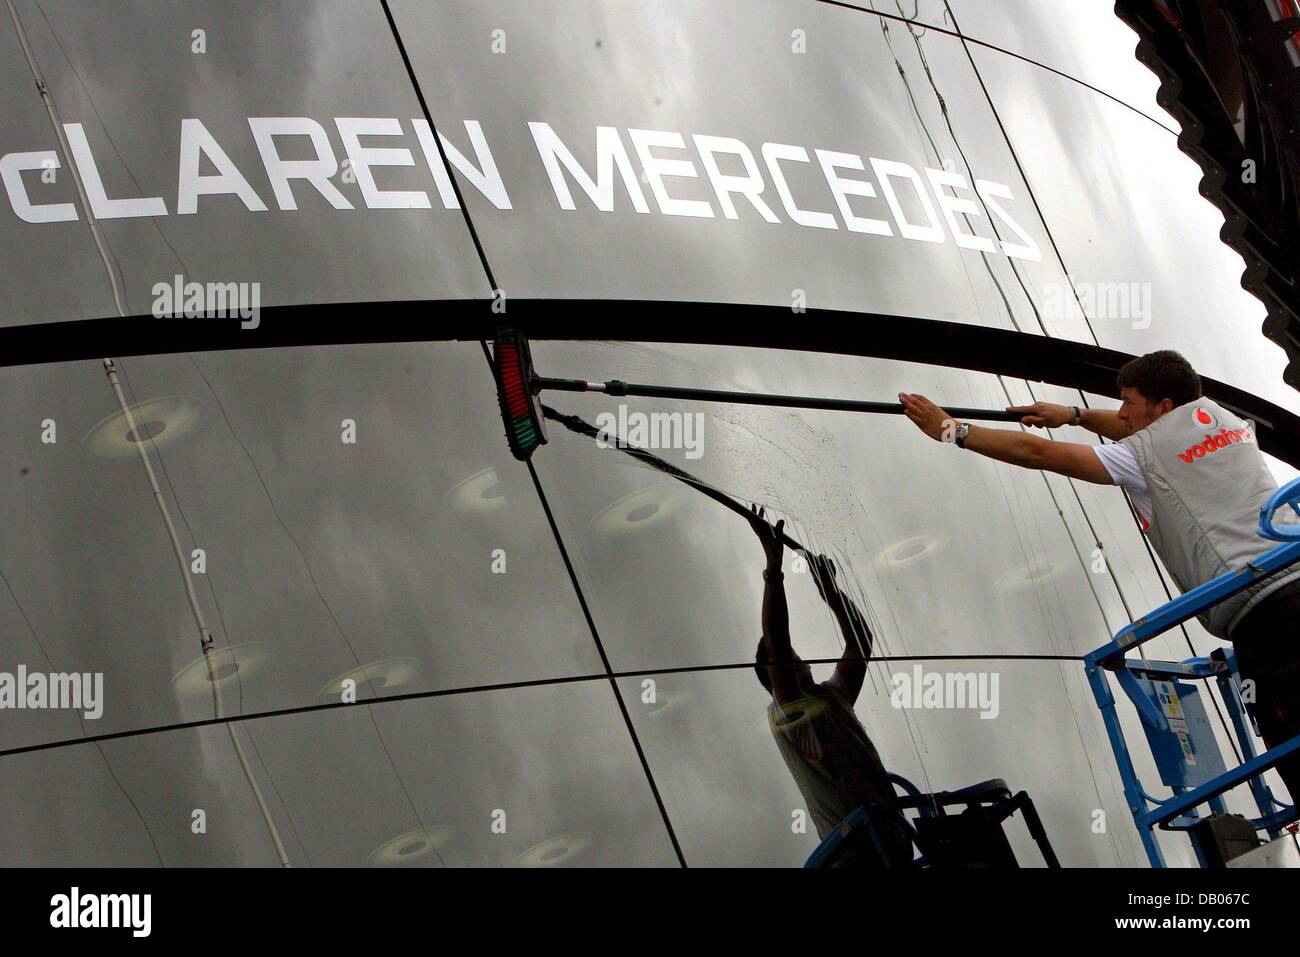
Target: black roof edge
[(1060, 362)]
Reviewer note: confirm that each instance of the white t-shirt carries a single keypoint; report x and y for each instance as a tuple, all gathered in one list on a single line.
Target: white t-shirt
[(1124, 472), (829, 754)]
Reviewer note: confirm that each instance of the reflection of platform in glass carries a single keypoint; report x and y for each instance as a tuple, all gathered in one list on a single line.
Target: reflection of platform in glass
[(384, 673), (556, 851), (637, 510), (160, 421), (481, 492), (229, 664), (406, 849)]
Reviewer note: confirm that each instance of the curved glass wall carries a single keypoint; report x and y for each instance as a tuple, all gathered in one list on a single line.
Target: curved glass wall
[(353, 523)]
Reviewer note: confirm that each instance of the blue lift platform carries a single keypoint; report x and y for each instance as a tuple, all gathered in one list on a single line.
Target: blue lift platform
[(971, 839), (1174, 718)]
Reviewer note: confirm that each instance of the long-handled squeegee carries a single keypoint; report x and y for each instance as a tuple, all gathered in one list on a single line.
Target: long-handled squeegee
[(518, 386)]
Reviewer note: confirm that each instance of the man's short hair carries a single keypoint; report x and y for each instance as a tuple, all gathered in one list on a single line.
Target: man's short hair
[(763, 661), (1161, 375)]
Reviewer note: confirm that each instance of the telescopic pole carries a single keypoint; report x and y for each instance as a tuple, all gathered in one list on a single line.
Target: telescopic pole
[(617, 387)]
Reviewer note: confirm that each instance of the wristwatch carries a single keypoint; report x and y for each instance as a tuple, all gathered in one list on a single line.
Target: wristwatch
[(773, 576), (959, 437), (1076, 415)]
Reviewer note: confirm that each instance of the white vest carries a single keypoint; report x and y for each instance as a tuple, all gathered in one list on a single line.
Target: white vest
[(1208, 481)]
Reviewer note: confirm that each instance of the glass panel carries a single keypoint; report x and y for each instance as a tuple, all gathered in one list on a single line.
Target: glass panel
[(1127, 216), (735, 803), (528, 777), (927, 533), (419, 551), (321, 240), (668, 68), (1083, 40)]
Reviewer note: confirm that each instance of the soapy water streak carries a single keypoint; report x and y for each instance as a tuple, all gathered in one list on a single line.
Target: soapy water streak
[(581, 427)]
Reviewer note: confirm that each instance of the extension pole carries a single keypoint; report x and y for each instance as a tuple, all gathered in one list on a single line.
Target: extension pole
[(617, 387), (575, 424)]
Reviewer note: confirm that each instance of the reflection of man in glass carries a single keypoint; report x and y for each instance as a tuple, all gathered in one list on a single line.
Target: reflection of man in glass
[(1197, 480), (824, 745)]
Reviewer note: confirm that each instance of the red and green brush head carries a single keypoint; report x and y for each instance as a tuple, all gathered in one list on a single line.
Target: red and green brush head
[(520, 409)]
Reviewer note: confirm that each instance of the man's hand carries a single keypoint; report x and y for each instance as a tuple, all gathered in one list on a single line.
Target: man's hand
[(771, 536), (1012, 445), (852, 666), (823, 575), (929, 418), (1043, 415)]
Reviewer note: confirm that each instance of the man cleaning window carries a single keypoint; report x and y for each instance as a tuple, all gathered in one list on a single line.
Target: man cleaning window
[(1197, 480), (829, 754)]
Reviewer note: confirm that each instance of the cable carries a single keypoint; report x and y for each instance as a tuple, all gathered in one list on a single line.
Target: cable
[(81, 719), (1060, 259), (1011, 53), (205, 636), (154, 220), (478, 689), (604, 658), (311, 576), (437, 139), (1010, 314), (47, 99)]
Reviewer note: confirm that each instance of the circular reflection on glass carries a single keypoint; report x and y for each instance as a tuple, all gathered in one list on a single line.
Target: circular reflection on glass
[(410, 847), (242, 661), (908, 551), (481, 492), (1031, 573), (636, 511), (384, 673), (668, 701), (161, 421), (556, 851)]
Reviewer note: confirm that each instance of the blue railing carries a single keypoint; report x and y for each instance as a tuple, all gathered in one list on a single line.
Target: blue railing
[(1178, 811)]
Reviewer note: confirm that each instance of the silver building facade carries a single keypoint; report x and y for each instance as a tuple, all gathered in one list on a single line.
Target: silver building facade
[(350, 510)]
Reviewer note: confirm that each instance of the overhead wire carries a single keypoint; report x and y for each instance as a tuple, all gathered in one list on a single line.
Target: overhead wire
[(108, 766), (965, 41), (600, 676), (119, 299), (1004, 50), (943, 107), (320, 594)]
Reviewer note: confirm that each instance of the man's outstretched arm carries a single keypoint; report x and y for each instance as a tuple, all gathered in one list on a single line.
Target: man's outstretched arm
[(1049, 415), (1016, 448), (776, 611), (852, 666)]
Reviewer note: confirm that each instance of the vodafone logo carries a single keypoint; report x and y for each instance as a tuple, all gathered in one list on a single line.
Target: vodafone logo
[(1213, 443), (1204, 418)]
